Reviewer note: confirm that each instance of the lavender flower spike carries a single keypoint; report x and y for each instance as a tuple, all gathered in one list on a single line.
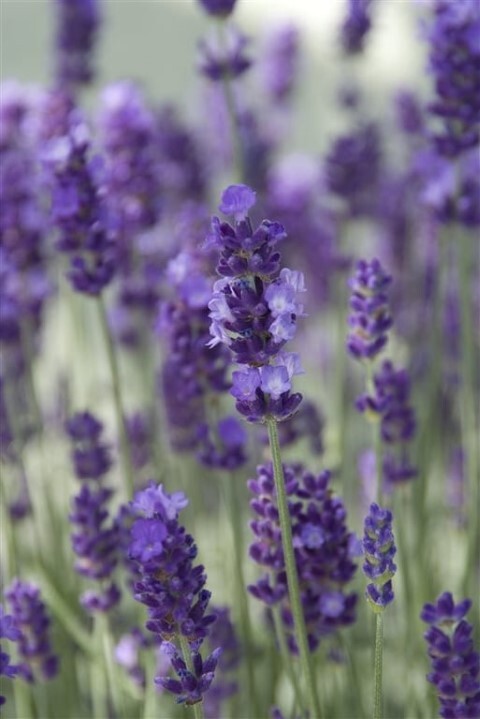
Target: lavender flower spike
[(455, 662), (254, 309), (77, 24), (173, 590), (379, 549), (31, 619), (370, 318)]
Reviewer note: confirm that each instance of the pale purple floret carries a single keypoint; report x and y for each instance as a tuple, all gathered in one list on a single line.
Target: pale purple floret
[(155, 501), (237, 200)]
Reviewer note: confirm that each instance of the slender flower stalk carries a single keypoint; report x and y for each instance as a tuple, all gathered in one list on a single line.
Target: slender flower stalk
[(291, 570)]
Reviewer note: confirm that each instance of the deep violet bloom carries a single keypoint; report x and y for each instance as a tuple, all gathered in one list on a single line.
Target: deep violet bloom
[(379, 550), (390, 404), (453, 33), (223, 447), (230, 60), (95, 536), (172, 589), (8, 630), (369, 318), (223, 634), (356, 26), (353, 167), (31, 619), (323, 551), (77, 24), (90, 455), (254, 309), (455, 662), (128, 136), (218, 8), (79, 213), (192, 371)]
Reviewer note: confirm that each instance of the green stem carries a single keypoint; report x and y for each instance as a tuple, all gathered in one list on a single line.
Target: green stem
[(377, 711), (198, 707), (65, 616), (107, 650), (117, 395), (377, 439), (286, 655), (291, 570), (470, 426), (234, 506), (237, 149)]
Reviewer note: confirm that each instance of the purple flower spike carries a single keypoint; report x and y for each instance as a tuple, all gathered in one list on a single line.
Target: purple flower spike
[(356, 26), (369, 318), (322, 546), (379, 550), (237, 201), (254, 309), (217, 62), (172, 589), (77, 25), (32, 622), (218, 8), (455, 662)]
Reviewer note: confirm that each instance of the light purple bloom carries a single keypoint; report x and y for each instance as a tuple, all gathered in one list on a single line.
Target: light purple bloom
[(283, 328), (274, 380), (147, 539), (155, 501), (280, 299), (245, 383), (237, 200), (332, 604)]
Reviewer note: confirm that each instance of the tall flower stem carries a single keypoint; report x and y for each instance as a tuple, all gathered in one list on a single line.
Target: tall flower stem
[(286, 656), (117, 395), (240, 586), (198, 707), (470, 425), (291, 570), (111, 675), (377, 439), (378, 666), (238, 169)]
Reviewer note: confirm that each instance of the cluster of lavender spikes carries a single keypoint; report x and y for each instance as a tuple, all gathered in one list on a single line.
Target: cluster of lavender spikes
[(379, 550), (94, 539), (173, 590), (254, 309), (455, 663), (29, 627), (323, 551)]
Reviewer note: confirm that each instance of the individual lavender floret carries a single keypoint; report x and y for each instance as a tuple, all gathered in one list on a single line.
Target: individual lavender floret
[(280, 63), (391, 404), (223, 634), (254, 309), (226, 449), (78, 212), (453, 34), (8, 630), (455, 663), (90, 456), (352, 169), (172, 588), (95, 538), (31, 619), (323, 551), (229, 60), (379, 550), (77, 24), (370, 317), (355, 26)]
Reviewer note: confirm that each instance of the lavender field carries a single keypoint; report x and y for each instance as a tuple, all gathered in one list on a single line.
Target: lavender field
[(240, 360)]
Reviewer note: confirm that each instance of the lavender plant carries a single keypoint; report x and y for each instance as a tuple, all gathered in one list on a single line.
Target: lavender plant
[(109, 308)]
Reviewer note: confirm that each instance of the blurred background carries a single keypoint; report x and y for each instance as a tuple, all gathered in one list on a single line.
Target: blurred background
[(142, 39)]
